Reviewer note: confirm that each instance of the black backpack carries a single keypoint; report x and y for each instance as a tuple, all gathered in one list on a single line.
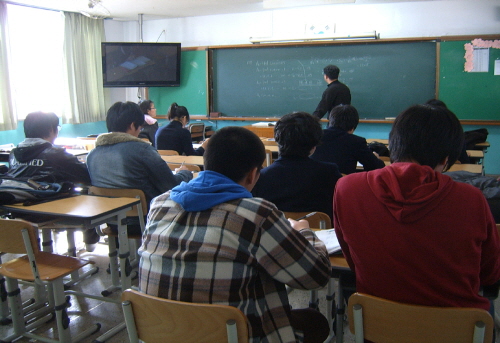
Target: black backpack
[(32, 191)]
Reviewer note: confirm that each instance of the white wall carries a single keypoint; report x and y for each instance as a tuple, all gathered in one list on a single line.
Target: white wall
[(391, 20)]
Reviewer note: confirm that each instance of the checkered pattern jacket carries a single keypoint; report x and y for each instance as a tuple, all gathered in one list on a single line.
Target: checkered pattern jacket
[(239, 253)]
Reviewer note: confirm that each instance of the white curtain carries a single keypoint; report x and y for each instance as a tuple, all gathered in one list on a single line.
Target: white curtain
[(82, 49), (7, 118)]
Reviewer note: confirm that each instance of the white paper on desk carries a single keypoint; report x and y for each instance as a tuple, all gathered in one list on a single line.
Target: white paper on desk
[(329, 237)]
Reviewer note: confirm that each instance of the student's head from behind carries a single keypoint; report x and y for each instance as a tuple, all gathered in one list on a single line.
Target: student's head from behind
[(180, 113), (148, 107), (125, 117), (234, 152), (41, 125), (427, 135), (436, 103), (297, 134), (331, 71), (344, 117)]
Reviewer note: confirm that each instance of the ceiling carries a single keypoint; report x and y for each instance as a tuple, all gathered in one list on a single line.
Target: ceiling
[(156, 9)]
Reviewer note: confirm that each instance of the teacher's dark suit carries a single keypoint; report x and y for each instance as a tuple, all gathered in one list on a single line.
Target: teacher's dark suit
[(345, 150)]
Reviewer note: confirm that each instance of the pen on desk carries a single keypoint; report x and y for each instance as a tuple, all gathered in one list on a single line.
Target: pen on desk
[(306, 216)]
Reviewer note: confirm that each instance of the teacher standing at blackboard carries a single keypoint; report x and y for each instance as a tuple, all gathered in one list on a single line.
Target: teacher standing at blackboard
[(335, 94)]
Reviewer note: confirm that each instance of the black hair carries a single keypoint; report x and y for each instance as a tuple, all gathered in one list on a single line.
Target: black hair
[(177, 112), (331, 71), (427, 135), (345, 117), (234, 151), (121, 114), (145, 106), (40, 124), (436, 103), (297, 133)]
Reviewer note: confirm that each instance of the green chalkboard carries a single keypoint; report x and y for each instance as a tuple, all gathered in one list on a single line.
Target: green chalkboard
[(468, 95), (384, 78), (192, 92)]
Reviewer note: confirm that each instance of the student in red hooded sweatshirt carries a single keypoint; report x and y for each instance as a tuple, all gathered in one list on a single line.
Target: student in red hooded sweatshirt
[(412, 234)]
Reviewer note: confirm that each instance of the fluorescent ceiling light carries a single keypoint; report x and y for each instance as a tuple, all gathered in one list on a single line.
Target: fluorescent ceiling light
[(268, 4), (364, 35)]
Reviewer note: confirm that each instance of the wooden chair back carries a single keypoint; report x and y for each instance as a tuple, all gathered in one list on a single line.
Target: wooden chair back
[(123, 193), (14, 244), (319, 220), (157, 320), (197, 130), (191, 167), (269, 159), (168, 152), (381, 320)]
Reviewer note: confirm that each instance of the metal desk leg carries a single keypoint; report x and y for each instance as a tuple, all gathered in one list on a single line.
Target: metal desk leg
[(340, 312), (329, 303), (124, 253)]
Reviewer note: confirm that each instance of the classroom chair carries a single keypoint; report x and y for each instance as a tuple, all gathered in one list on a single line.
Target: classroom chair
[(41, 268), (137, 212), (157, 320), (269, 158), (191, 167), (168, 152), (381, 320), (197, 131)]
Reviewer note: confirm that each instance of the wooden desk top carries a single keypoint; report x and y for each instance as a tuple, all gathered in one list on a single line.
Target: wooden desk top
[(80, 206), (475, 153), (339, 262), (272, 148), (380, 140), (472, 168), (197, 160)]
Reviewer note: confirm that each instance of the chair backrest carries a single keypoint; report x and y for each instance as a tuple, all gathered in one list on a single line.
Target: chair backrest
[(381, 320), (197, 130), (168, 152), (269, 158), (12, 240), (123, 193), (191, 167), (318, 220), (160, 320)]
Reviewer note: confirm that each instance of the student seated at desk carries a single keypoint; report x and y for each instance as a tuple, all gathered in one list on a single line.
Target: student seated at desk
[(175, 136), (150, 125), (295, 182), (341, 146), (122, 160), (410, 233), (37, 156), (210, 241)]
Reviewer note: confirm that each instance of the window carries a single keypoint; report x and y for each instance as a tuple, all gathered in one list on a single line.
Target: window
[(36, 60)]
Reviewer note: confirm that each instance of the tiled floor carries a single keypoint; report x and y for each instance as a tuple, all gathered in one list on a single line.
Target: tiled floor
[(84, 312)]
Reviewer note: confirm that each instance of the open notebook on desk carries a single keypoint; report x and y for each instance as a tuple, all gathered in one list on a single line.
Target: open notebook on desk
[(329, 237)]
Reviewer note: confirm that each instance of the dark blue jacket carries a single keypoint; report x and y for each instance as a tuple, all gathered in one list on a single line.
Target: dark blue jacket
[(345, 150), (175, 137), (298, 184)]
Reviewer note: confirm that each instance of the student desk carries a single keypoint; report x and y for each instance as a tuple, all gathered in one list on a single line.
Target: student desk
[(197, 160), (88, 211)]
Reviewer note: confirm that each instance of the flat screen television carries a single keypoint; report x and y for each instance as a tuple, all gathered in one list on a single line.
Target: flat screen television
[(141, 64)]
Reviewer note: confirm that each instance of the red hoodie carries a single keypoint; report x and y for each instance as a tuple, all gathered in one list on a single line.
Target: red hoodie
[(416, 236)]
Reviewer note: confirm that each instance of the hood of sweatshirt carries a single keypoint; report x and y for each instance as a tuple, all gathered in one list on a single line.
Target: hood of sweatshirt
[(206, 191), (408, 190), (30, 148)]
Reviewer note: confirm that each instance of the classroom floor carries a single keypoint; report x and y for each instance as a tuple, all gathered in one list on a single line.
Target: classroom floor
[(83, 311)]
